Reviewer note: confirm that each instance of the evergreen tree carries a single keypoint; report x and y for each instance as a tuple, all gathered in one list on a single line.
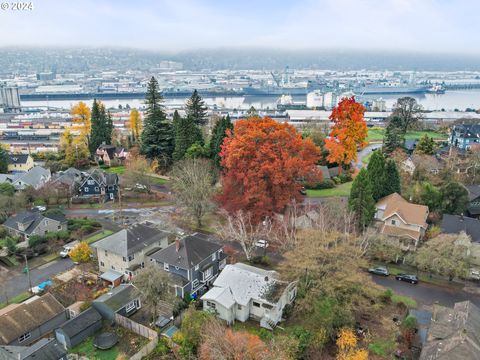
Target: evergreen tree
[(108, 129), (361, 200), (186, 134), (3, 160), (176, 120), (392, 182), (454, 198), (157, 135), (377, 175), (219, 133), (97, 135), (394, 138), (426, 145), (196, 109)]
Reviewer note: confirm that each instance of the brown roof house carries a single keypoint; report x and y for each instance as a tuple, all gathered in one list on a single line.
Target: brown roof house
[(399, 218), (454, 334), (22, 324)]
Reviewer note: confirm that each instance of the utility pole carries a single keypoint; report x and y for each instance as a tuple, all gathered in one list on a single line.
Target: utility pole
[(28, 273)]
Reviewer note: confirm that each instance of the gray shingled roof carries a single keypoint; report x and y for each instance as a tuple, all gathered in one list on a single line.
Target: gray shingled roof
[(129, 241), (81, 322), (44, 349), (119, 296), (31, 219), (28, 316), (34, 176), (18, 158), (473, 191), (454, 334), (193, 250), (454, 224)]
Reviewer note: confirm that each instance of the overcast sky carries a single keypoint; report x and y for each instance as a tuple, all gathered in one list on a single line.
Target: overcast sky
[(171, 25)]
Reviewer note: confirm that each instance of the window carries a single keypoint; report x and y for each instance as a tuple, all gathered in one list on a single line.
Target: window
[(101, 263), (124, 259), (256, 304), (130, 306), (59, 227), (239, 307), (211, 305), (195, 283), (24, 337), (96, 188), (113, 267), (142, 265), (86, 189), (214, 256), (166, 267), (106, 253), (394, 222), (90, 182), (196, 267), (207, 274)]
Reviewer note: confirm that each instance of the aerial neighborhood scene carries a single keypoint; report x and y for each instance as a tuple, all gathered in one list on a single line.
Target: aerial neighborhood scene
[(273, 180)]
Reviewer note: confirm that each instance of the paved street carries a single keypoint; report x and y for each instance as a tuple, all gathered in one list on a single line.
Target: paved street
[(18, 283), (427, 294), (364, 152)]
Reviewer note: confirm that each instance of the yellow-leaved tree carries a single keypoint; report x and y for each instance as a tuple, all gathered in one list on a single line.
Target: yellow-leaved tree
[(74, 148), (347, 346), (82, 121), (135, 125), (81, 253)]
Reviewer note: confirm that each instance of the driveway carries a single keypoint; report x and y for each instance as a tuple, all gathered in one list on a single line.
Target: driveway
[(364, 152), (427, 294), (18, 283)]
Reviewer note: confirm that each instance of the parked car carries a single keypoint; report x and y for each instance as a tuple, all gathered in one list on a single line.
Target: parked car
[(67, 248), (40, 208), (379, 271), (408, 278), (261, 244)]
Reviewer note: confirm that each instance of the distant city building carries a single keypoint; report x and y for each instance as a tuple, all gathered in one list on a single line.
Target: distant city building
[(379, 105), (9, 98), (46, 76), (315, 99)]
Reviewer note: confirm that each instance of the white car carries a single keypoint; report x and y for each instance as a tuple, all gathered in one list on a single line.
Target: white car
[(261, 244), (41, 208)]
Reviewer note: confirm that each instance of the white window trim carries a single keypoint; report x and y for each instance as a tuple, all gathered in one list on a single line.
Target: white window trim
[(130, 306), (24, 337), (195, 283)]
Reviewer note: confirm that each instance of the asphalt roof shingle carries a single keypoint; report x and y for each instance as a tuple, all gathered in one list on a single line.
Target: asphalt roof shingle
[(454, 224), (81, 322), (129, 241), (22, 318), (193, 250)]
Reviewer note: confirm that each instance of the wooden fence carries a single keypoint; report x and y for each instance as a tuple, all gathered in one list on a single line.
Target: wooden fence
[(139, 330)]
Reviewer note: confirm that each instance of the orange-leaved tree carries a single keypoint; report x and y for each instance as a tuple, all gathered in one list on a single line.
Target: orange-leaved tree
[(265, 163), (349, 132), (347, 346), (221, 343)]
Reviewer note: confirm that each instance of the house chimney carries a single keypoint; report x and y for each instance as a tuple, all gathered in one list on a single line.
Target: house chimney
[(177, 244), (461, 217)]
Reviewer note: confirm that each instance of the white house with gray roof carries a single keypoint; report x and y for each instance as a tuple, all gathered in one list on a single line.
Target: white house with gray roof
[(243, 292), (124, 252), (35, 177)]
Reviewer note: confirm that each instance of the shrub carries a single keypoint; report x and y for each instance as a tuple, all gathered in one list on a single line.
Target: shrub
[(11, 245), (304, 338), (86, 305), (63, 235), (261, 260), (336, 180), (162, 348), (386, 296), (325, 184), (345, 177), (36, 240)]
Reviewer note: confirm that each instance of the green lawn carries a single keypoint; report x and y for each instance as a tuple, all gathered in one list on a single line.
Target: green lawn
[(158, 181), (87, 349), (17, 299), (408, 301), (382, 347), (98, 236), (376, 134), (340, 190), (115, 169)]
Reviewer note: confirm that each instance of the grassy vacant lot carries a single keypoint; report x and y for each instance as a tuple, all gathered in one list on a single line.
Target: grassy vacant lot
[(115, 169), (100, 235), (376, 134), (340, 190)]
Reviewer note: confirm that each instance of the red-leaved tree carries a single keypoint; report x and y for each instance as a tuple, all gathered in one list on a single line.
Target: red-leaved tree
[(265, 163), (348, 133)]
